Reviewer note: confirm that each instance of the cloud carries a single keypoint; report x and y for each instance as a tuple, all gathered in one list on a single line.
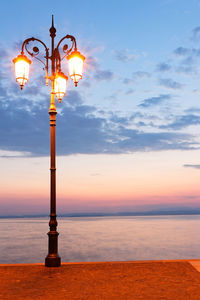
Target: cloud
[(13, 154), (127, 81), (196, 33), (135, 76), (91, 63), (163, 67), (193, 110), (24, 127), (104, 75), (137, 115), (129, 91), (28, 131), (191, 166), (140, 74), (125, 55), (93, 71), (169, 83), (119, 120), (143, 141), (183, 122), (153, 101), (24, 123), (3, 53), (188, 60), (182, 51), (74, 98), (186, 68)]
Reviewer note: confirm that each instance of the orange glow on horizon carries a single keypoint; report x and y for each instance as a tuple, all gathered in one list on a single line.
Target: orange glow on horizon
[(89, 181)]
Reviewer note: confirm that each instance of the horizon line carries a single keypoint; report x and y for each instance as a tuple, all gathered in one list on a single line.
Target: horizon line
[(110, 214)]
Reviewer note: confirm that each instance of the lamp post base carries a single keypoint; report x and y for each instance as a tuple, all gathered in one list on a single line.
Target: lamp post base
[(52, 261)]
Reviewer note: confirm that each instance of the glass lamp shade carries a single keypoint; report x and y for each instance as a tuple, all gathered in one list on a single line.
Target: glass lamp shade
[(22, 67), (75, 61), (60, 85)]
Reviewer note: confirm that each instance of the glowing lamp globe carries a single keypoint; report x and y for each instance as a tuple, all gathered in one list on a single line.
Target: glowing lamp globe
[(60, 85), (22, 67), (75, 61)]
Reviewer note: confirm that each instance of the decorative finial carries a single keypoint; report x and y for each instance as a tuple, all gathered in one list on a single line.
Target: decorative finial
[(52, 29), (52, 22)]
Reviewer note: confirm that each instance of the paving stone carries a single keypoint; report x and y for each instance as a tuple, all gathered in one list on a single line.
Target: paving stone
[(101, 281)]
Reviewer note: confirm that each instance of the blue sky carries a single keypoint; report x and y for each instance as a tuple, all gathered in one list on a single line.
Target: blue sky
[(139, 98)]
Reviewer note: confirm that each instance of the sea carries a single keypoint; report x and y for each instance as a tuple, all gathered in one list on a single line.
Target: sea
[(84, 239)]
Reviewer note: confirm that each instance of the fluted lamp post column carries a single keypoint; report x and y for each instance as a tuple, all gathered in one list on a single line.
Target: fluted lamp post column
[(58, 87)]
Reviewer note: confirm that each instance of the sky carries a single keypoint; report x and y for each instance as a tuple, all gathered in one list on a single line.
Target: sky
[(128, 137)]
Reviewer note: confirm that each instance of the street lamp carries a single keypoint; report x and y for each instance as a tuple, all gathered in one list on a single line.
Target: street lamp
[(58, 88)]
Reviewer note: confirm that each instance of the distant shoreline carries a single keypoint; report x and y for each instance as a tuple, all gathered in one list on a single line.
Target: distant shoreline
[(120, 214)]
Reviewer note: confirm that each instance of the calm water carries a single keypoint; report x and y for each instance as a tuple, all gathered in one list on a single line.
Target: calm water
[(102, 238)]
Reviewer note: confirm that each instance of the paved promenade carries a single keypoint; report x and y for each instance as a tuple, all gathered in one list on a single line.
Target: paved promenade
[(173, 280)]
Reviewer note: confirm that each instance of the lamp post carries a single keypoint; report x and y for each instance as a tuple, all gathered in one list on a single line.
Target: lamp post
[(58, 87)]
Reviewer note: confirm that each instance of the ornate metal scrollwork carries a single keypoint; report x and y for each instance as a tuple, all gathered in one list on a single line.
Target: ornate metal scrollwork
[(56, 53), (66, 48), (35, 50)]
